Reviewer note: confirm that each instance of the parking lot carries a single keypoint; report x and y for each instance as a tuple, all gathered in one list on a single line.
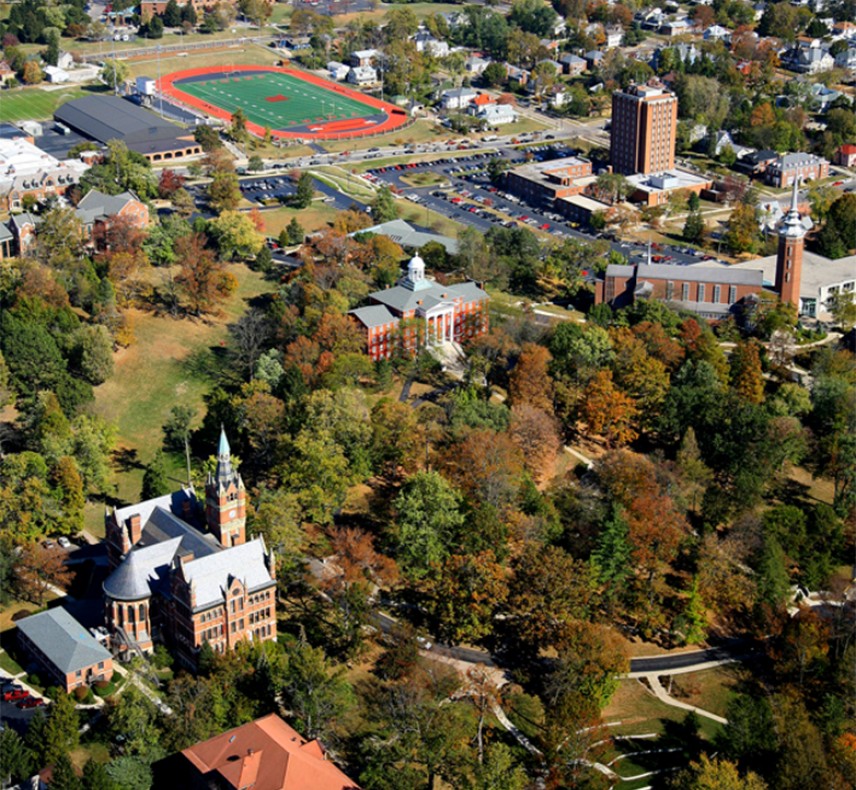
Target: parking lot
[(468, 196), (258, 190)]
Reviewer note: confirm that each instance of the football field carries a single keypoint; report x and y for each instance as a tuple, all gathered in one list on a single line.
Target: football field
[(274, 99)]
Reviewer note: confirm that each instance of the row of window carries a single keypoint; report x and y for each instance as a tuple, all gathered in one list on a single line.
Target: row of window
[(260, 597), (257, 617), (701, 292)]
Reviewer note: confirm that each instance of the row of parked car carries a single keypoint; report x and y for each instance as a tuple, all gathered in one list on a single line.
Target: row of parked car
[(12, 692)]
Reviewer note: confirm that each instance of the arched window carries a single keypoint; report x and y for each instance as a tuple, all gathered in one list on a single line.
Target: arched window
[(142, 613)]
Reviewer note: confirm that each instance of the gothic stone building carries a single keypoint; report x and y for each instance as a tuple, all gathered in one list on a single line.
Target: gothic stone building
[(183, 578)]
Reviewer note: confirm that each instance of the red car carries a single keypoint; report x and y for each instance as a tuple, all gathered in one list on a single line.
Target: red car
[(545, 226), (31, 702), (15, 694)]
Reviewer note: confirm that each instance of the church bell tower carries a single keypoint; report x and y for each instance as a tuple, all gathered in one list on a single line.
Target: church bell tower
[(226, 499), (790, 255)]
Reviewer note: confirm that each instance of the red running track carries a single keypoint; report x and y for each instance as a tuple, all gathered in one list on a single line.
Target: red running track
[(332, 130)]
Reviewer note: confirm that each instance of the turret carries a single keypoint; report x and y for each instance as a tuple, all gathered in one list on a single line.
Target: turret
[(790, 253)]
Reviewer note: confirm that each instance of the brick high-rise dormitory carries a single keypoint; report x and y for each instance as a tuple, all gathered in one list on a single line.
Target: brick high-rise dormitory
[(642, 135)]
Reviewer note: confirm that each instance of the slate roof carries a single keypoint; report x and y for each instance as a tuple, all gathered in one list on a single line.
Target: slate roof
[(373, 315), (163, 525), (5, 233), (727, 275), (173, 503), (105, 118), (405, 235), (144, 571), (96, 204), (64, 641), (212, 575)]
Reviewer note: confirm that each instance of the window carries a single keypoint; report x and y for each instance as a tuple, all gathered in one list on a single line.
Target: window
[(77, 674), (717, 292), (732, 294), (670, 290), (685, 292), (700, 293), (100, 665)]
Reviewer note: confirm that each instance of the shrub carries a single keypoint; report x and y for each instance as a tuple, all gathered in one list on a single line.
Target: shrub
[(104, 688)]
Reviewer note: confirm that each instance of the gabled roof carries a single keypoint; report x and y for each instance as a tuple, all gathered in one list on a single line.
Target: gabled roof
[(142, 572), (97, 204), (373, 315), (266, 754), (213, 574), (64, 641)]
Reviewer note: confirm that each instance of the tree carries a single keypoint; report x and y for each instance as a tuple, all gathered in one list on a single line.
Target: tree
[(428, 519), (747, 378), (611, 559), (94, 353), (743, 234), (607, 411), (305, 191), (130, 772), (61, 728), (529, 381), (294, 233), (172, 14), (612, 187), (64, 776), (536, 433), (16, 760), (169, 182), (155, 480), (236, 235), (716, 774), (32, 74), (202, 280), (115, 73), (38, 569), (176, 429), (257, 11), (384, 207), (494, 75), (842, 306), (694, 228), (97, 777), (224, 191), (838, 236)]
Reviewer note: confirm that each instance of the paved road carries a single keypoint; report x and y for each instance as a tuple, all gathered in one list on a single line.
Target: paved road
[(666, 664)]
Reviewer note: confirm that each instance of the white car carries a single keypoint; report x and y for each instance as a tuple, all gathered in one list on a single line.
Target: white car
[(64, 542)]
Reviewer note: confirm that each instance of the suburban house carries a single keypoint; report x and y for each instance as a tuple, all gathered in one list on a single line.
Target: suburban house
[(337, 71), (185, 578), (364, 57), (496, 114), (425, 42), (572, 65), (475, 66), (846, 155), (265, 754), (419, 311), (614, 36), (362, 75), (457, 98), (66, 654)]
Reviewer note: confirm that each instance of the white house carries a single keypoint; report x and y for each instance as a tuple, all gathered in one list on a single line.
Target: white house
[(362, 75), (475, 65), (497, 114), (425, 42), (717, 33), (56, 74), (614, 36), (457, 98), (364, 57), (337, 71)]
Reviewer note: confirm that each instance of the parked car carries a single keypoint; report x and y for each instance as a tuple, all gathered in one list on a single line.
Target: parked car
[(31, 702), (64, 542), (15, 694)]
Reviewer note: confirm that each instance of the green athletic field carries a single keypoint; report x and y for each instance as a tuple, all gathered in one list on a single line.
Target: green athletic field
[(303, 102)]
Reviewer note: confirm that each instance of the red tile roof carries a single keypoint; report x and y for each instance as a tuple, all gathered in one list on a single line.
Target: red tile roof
[(848, 149), (483, 98), (267, 754)]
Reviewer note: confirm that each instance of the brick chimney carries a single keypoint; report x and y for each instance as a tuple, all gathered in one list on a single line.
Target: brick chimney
[(136, 528)]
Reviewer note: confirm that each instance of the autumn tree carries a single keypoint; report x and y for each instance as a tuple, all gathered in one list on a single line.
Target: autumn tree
[(747, 378), (202, 279), (530, 381), (38, 570), (536, 433), (607, 411)]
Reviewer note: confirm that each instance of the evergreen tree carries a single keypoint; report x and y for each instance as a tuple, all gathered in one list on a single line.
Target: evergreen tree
[(35, 736), (96, 777), (64, 776), (693, 227), (16, 760), (611, 559), (384, 207), (206, 658), (155, 480), (61, 728), (773, 582), (305, 191), (294, 232), (172, 14)]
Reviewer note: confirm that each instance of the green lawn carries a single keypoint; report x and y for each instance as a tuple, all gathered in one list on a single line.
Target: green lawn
[(174, 360), (34, 103)]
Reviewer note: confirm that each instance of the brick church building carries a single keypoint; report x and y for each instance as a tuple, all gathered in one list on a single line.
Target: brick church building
[(183, 575), (710, 290)]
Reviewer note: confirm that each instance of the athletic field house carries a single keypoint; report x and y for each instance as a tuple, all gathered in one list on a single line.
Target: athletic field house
[(290, 103)]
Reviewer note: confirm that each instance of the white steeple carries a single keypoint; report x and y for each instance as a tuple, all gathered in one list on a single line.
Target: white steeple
[(416, 269), (792, 226)]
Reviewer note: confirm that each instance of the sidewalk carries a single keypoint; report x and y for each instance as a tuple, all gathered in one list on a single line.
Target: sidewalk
[(660, 694)]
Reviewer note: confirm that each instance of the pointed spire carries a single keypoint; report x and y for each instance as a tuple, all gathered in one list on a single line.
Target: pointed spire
[(648, 258), (795, 195), (792, 226), (223, 451)]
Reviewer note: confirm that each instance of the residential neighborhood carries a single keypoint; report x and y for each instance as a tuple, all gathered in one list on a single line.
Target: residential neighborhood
[(419, 395)]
